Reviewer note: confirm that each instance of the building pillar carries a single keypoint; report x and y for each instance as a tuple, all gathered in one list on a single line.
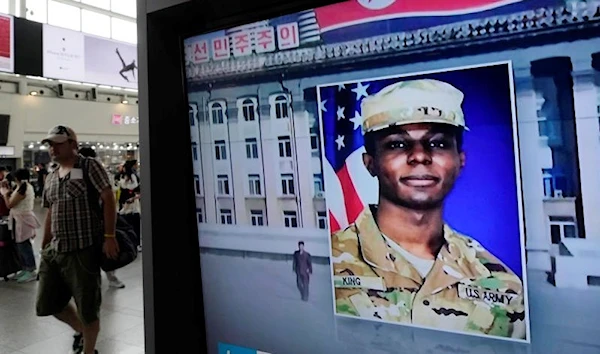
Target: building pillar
[(588, 139), (532, 151)]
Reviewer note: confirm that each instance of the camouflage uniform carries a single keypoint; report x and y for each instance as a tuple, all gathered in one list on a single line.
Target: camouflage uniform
[(468, 289)]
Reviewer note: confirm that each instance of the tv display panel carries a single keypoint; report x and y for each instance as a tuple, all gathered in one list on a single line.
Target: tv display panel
[(7, 45), (277, 115)]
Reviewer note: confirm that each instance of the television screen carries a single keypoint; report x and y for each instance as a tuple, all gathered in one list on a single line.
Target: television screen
[(391, 176)]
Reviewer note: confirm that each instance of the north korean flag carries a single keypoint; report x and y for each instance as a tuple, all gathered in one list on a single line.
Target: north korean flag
[(356, 19)]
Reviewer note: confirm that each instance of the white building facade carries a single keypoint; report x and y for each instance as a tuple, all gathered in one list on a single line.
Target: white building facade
[(270, 134)]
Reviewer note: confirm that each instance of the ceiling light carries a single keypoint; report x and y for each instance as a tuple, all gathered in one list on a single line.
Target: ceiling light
[(33, 93)]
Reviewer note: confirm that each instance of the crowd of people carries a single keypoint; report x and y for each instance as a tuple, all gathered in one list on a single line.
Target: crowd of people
[(18, 193)]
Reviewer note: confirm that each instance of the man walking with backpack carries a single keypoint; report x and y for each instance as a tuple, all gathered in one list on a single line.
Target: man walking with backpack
[(73, 236)]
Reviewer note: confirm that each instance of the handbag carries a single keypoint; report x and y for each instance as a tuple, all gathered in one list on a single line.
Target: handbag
[(124, 233), (9, 257), (127, 250)]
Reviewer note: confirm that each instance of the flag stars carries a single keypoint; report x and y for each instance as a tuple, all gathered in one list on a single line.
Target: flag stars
[(341, 87), (322, 105), (340, 113), (361, 90), (357, 120), (340, 142)]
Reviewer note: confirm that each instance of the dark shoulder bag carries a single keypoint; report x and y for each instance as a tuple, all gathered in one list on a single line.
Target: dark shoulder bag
[(123, 232)]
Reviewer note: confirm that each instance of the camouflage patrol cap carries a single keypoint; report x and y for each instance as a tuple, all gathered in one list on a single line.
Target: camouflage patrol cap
[(414, 101)]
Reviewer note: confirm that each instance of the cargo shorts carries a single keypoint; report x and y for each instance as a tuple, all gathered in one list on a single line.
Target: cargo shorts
[(66, 275)]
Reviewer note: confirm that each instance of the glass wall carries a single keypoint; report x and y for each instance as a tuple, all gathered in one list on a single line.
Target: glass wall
[(114, 19)]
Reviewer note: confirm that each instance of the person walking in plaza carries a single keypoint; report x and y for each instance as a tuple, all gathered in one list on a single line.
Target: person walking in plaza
[(302, 266), (113, 280), (129, 199), (23, 221), (73, 236)]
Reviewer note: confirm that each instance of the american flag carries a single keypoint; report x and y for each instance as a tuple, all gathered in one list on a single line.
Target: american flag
[(348, 185)]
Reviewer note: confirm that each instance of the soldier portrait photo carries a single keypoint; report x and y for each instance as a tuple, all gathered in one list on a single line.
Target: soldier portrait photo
[(423, 191)]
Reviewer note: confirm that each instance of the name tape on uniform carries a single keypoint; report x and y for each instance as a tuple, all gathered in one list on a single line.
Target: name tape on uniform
[(489, 296), (358, 282)]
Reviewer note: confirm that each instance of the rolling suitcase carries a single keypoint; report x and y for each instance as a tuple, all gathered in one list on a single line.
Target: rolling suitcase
[(9, 258)]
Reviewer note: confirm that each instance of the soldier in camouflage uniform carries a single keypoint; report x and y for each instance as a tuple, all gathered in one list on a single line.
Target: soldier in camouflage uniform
[(399, 261)]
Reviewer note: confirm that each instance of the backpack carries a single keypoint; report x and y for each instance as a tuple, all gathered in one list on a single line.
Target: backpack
[(124, 232)]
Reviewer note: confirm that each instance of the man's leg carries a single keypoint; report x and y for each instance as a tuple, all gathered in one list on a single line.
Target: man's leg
[(299, 283), (84, 281), (306, 283), (54, 294), (90, 336), (304, 280), (69, 316)]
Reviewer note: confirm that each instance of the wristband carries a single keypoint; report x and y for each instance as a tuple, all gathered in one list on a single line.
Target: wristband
[(109, 235)]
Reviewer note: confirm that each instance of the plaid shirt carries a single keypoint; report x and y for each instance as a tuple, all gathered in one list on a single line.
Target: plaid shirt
[(75, 225)]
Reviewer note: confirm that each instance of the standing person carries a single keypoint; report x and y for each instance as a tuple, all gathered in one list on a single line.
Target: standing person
[(23, 222), (113, 280), (302, 266), (73, 235), (399, 261), (129, 198), (4, 211), (9, 176), (41, 178)]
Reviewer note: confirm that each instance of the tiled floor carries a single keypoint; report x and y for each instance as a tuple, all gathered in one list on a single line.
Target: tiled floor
[(122, 321)]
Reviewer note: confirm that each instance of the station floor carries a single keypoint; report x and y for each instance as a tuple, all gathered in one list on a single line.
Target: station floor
[(122, 321)]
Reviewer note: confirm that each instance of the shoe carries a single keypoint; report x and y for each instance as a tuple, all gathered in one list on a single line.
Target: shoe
[(115, 283), (26, 277), (17, 275), (80, 351), (77, 343)]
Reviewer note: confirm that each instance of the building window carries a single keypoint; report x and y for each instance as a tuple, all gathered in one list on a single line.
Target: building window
[(282, 109), (103, 4), (95, 23), (197, 184), (257, 217), (217, 113), (287, 184), (555, 183), (314, 142), (124, 7), (223, 184), (123, 30), (63, 15), (254, 185), (195, 151), (200, 216), (192, 120), (226, 216), (220, 150), (290, 218), (562, 227), (322, 219), (37, 10), (318, 181), (285, 146), (251, 148), (249, 110)]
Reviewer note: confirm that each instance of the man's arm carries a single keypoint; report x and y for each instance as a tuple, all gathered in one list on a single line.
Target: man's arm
[(110, 210), (47, 228), (309, 260), (99, 180), (294, 263)]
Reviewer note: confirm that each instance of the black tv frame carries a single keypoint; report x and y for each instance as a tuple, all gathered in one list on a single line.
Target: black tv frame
[(173, 301)]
